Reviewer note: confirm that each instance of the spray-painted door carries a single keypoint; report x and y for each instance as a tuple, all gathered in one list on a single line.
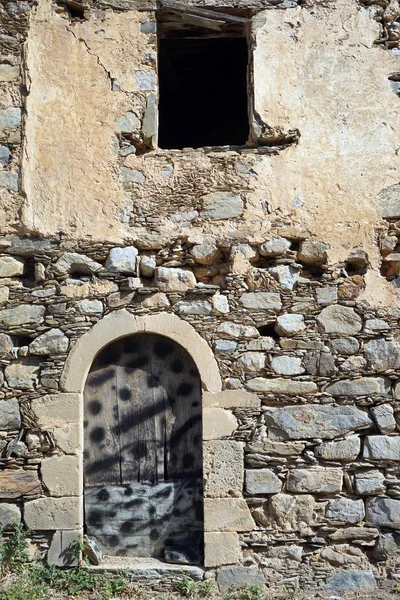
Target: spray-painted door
[(143, 451)]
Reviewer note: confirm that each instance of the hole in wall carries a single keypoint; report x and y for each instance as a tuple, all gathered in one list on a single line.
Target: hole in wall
[(268, 331), (75, 9)]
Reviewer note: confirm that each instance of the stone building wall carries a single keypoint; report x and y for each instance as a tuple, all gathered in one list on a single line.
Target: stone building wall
[(282, 257)]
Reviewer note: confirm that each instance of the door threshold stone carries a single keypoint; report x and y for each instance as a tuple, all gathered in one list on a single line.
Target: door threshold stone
[(147, 568)]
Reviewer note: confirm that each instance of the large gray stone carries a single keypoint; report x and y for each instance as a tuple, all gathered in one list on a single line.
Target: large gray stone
[(342, 450), (383, 354), (363, 386), (10, 515), (206, 253), (287, 365), (174, 280), (9, 73), (122, 260), (384, 417), (10, 118), (369, 483), (51, 342), (76, 264), (24, 314), (10, 266), (347, 345), (61, 551), (194, 307), (262, 301), (236, 577), (235, 330), (251, 362), (312, 252), (10, 417), (9, 180), (317, 480), (286, 275), (22, 374), (288, 325), (274, 247), (345, 510), (292, 512), (290, 387), (382, 447), (262, 481), (325, 421), (128, 123), (388, 545), (339, 319), (383, 512), (221, 205), (354, 581), (388, 201), (90, 307)]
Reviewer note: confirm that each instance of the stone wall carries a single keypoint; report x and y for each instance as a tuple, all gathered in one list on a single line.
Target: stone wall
[(284, 258)]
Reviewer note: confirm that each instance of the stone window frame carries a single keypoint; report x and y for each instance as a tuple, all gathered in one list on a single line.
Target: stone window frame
[(225, 516)]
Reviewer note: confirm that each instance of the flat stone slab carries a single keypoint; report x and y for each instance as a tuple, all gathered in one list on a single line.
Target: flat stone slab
[(146, 568), (363, 386), (383, 512), (346, 581)]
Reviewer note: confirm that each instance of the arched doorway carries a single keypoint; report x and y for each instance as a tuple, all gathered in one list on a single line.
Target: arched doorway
[(143, 450)]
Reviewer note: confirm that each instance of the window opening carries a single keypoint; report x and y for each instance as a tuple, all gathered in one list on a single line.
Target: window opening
[(203, 63)]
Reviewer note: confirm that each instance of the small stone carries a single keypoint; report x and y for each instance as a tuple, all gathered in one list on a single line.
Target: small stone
[(158, 300), (287, 365), (10, 515), (231, 399), (375, 325), (227, 346), (206, 253), (262, 301), (290, 387), (128, 123), (239, 577), (264, 343), (10, 266), (262, 481), (10, 118), (279, 448), (382, 447), (221, 205), (10, 417), (22, 374), (9, 180), (4, 294), (384, 418), (355, 581), (274, 247), (195, 307), (353, 364), (382, 354), (24, 314), (389, 202), (174, 280), (345, 510), (220, 304), (364, 535), (234, 330), (15, 483), (147, 266), (51, 342), (122, 260), (246, 250), (339, 319), (312, 252), (369, 483), (6, 345), (5, 156), (9, 72), (132, 175), (363, 386), (177, 556), (92, 550), (388, 545), (150, 120), (317, 480), (383, 512), (319, 363), (288, 325), (223, 468), (251, 362), (90, 307), (347, 345), (325, 421), (286, 275), (76, 264), (292, 513), (326, 295), (146, 80), (342, 450)]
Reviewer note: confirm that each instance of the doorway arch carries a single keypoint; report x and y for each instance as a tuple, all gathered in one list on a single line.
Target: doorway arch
[(143, 450)]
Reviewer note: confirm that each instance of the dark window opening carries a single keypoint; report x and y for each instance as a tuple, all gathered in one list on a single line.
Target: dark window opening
[(203, 92)]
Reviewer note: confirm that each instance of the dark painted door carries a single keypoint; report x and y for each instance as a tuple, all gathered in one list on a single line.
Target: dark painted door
[(143, 450)]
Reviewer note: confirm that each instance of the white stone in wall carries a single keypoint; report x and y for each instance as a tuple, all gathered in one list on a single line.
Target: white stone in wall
[(363, 386), (346, 345), (292, 513), (235, 330), (288, 325), (147, 266), (316, 480), (240, 577), (128, 123), (227, 514), (25, 314), (325, 421), (384, 418), (174, 280), (231, 399), (61, 475), (383, 354), (22, 374), (246, 250), (264, 343), (223, 464), (251, 362), (341, 450), (286, 275), (51, 342), (261, 301), (206, 253), (279, 448), (326, 295), (353, 363), (218, 423), (75, 263), (220, 303), (10, 417), (382, 447), (10, 515), (262, 481), (122, 260), (291, 387), (90, 307), (10, 266), (339, 319), (221, 548), (158, 300), (61, 552), (287, 365), (52, 514), (9, 73), (6, 345), (383, 512), (132, 175), (375, 325), (389, 202), (369, 483), (312, 252), (221, 205), (227, 346), (346, 510), (274, 247), (194, 307)]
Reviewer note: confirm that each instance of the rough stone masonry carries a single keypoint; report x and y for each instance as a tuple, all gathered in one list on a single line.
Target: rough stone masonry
[(283, 257)]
